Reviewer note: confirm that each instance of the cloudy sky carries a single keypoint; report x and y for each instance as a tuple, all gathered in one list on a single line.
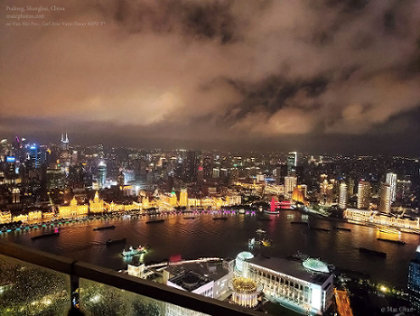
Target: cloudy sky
[(317, 76)]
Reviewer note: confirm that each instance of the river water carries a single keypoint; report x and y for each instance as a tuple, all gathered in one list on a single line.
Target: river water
[(205, 237)]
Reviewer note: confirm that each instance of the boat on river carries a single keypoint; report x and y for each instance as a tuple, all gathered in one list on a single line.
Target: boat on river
[(131, 252)]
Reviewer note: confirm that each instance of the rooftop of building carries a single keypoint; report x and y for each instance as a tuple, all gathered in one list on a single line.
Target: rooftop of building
[(190, 280), (292, 268), (192, 275)]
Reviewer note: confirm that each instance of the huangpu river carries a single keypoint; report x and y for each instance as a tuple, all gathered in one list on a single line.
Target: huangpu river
[(205, 237)]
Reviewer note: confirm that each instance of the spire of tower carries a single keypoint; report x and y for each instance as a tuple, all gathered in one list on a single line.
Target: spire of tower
[(62, 138), (67, 139)]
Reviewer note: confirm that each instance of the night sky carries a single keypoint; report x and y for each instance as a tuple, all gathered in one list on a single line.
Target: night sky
[(320, 76)]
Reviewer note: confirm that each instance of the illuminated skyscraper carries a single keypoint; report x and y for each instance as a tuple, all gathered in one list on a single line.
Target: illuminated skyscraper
[(101, 174), (391, 179), (403, 189), (291, 163), (191, 166), (289, 185), (34, 156), (342, 196), (385, 200), (363, 195), (64, 141)]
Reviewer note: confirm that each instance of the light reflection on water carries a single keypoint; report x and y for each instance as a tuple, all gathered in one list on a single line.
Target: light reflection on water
[(203, 236)]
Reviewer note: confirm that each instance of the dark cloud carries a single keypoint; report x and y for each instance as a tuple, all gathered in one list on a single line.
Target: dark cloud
[(213, 71)]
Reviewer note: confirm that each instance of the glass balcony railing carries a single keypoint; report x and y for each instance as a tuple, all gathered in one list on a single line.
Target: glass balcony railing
[(26, 289), (37, 283)]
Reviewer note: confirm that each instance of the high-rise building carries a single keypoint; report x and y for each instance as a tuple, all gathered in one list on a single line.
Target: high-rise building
[(385, 198), (291, 163), (101, 174), (403, 189), (64, 142), (413, 283), (363, 195), (191, 166), (216, 173), (391, 179), (342, 196), (34, 156), (289, 185)]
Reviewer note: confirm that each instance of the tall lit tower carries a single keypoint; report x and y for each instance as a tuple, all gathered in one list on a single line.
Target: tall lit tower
[(289, 185), (363, 195), (385, 200), (291, 163), (34, 156), (391, 179), (64, 141), (342, 196), (101, 174)]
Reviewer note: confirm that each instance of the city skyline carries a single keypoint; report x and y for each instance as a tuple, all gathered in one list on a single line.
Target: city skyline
[(332, 76), (212, 157)]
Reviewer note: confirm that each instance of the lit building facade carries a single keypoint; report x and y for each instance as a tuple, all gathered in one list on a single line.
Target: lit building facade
[(244, 292), (298, 194), (97, 205), (385, 198), (5, 217), (291, 163), (391, 180), (371, 217), (307, 287), (363, 195), (183, 198), (289, 185), (72, 210), (342, 196), (102, 171)]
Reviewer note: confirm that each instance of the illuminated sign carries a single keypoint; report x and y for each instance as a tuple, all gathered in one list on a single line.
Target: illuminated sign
[(10, 159)]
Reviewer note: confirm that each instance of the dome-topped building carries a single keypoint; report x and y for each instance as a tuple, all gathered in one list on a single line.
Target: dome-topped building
[(315, 265)]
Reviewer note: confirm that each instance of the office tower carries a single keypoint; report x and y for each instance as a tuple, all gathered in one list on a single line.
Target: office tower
[(413, 283), (403, 189), (291, 163), (342, 196), (363, 195), (34, 156), (350, 188), (191, 166), (289, 185), (391, 179), (216, 173), (101, 174), (200, 174), (385, 198), (55, 178), (15, 195), (207, 167)]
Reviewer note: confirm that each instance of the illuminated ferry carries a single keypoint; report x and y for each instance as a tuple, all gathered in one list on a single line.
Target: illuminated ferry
[(390, 231), (134, 252), (276, 206)]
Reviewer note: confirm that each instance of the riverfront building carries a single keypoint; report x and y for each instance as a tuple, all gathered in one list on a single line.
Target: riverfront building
[(373, 217), (306, 287)]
